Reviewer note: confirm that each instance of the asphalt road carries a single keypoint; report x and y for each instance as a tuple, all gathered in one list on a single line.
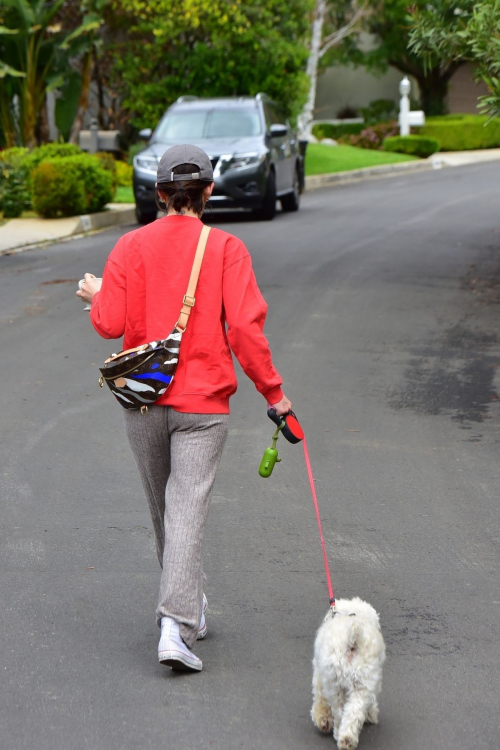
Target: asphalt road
[(384, 321)]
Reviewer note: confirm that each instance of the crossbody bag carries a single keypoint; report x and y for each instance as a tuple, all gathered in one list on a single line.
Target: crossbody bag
[(138, 377)]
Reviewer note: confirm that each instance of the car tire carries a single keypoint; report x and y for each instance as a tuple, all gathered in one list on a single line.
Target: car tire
[(291, 201), (267, 210), (144, 217)]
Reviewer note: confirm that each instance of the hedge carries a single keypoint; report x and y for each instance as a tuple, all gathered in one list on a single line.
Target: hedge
[(14, 194), (49, 151), (109, 164), (70, 186), (124, 173), (414, 145), (463, 132), (329, 130)]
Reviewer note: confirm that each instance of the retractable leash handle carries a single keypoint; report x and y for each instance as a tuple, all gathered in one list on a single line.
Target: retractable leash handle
[(291, 429)]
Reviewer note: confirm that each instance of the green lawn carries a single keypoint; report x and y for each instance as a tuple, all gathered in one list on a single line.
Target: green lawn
[(124, 194), (326, 159)]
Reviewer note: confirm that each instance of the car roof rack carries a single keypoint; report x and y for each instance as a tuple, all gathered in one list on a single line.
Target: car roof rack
[(187, 98), (260, 96)]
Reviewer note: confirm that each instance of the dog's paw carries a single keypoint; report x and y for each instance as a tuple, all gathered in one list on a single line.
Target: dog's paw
[(323, 721), (346, 742), (325, 724), (372, 716)]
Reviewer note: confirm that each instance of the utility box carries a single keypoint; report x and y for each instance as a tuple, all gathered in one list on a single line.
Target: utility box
[(94, 140)]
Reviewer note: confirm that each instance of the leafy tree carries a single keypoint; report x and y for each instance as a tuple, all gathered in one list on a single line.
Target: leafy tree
[(207, 48), (35, 48), (450, 31), (390, 24), (332, 22)]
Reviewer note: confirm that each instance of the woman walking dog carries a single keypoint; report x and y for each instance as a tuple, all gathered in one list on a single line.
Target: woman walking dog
[(178, 444)]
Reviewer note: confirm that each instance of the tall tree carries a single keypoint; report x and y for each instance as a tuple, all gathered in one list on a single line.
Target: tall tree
[(208, 48), (333, 21), (390, 25), (450, 30)]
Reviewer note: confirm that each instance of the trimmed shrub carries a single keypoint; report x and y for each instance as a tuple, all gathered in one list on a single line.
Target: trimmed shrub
[(70, 186), (414, 145), (50, 151), (463, 132), (371, 137), (124, 174), (57, 190), (329, 130), (379, 110), (14, 195), (109, 164), (347, 113), (16, 152)]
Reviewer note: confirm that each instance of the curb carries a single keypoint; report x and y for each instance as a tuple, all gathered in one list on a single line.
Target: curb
[(77, 226), (383, 170), (105, 219)]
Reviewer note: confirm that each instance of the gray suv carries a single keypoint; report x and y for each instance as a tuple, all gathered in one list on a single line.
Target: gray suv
[(254, 152)]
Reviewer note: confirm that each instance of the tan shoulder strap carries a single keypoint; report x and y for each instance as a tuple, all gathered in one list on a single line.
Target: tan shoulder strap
[(189, 298)]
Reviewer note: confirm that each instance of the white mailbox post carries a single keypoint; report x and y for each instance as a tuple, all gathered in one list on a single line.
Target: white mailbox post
[(408, 119)]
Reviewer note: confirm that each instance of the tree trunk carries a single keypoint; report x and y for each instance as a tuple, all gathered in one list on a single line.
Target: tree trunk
[(6, 119), (29, 113), (433, 85), (101, 93), (43, 131), (306, 116), (84, 96)]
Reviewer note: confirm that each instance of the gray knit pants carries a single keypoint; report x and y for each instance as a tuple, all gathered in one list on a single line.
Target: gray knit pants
[(177, 455)]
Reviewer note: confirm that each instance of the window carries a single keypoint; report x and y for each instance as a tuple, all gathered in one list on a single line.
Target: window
[(217, 123)]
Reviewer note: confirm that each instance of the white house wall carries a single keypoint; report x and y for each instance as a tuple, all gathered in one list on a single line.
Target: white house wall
[(344, 86)]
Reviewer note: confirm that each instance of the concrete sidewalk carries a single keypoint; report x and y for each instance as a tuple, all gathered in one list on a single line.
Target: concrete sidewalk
[(463, 158), (18, 233)]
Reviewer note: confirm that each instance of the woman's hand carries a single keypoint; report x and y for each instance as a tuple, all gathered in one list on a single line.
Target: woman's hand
[(282, 407), (90, 286)]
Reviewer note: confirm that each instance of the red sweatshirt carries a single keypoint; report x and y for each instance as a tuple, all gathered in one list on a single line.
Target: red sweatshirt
[(144, 282)]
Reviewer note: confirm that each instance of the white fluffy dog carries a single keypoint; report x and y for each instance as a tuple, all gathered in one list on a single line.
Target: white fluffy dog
[(349, 651)]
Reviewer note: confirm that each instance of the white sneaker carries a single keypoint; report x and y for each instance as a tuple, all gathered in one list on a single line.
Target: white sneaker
[(172, 650), (203, 630)]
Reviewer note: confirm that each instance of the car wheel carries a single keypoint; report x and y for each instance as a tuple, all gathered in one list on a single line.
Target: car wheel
[(144, 217), (268, 208), (291, 202)]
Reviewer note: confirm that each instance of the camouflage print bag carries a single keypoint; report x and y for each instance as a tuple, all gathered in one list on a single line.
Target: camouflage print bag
[(140, 376)]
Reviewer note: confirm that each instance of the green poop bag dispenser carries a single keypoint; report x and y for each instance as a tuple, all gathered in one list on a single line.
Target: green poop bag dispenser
[(270, 456), (292, 431)]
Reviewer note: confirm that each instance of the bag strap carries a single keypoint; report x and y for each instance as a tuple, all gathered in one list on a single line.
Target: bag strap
[(189, 298)]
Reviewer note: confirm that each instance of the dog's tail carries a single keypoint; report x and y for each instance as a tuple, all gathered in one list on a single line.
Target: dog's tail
[(353, 638)]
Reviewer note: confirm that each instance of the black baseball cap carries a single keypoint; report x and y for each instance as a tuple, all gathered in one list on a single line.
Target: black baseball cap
[(185, 154)]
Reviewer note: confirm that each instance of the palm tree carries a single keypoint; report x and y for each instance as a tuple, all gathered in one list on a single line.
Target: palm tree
[(35, 50)]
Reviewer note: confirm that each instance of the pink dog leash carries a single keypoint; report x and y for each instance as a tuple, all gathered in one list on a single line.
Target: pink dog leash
[(290, 428), (316, 509)]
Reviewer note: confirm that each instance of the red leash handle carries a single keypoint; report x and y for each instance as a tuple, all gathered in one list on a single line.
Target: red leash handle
[(315, 501)]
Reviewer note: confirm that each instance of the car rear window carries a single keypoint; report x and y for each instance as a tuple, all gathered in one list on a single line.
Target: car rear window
[(214, 123)]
